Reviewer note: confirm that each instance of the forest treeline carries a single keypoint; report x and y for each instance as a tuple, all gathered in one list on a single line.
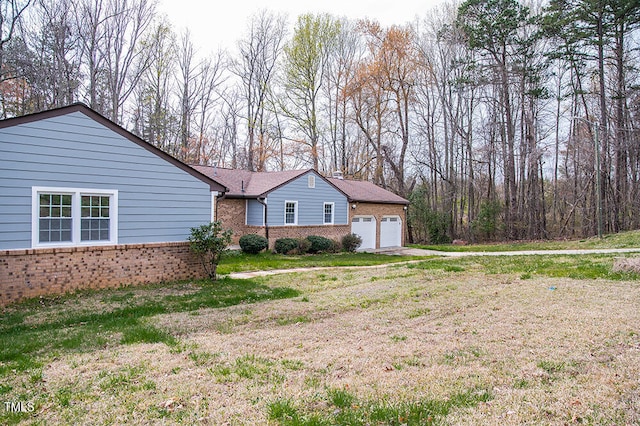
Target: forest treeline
[(498, 119)]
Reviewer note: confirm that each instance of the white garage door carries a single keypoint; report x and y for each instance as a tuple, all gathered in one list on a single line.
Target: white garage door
[(365, 227), (391, 231)]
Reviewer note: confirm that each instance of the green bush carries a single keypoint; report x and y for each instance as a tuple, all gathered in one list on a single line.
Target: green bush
[(319, 244), (253, 243), (303, 246), (351, 242), (286, 245), (209, 242)]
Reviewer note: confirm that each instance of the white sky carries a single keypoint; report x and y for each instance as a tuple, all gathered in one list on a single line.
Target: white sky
[(216, 24)]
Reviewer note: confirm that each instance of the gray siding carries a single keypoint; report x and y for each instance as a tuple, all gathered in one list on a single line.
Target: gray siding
[(255, 213), (310, 202), (158, 202)]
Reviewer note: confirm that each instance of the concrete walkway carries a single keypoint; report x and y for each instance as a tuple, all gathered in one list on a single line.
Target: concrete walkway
[(253, 274), (407, 251)]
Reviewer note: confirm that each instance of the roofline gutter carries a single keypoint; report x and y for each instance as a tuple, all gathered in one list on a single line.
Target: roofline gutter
[(404, 203)]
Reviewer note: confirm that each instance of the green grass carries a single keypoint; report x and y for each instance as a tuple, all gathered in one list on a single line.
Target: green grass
[(254, 368), (594, 266), (236, 261), (70, 326), (629, 239), (344, 408)]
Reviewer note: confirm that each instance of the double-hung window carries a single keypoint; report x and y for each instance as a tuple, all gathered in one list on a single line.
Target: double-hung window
[(328, 213), (69, 216), (95, 218), (290, 212), (55, 218)]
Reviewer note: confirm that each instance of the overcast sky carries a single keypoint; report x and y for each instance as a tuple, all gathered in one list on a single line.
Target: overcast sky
[(221, 24)]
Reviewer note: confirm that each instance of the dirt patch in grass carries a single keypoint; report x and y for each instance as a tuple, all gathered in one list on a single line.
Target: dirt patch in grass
[(627, 264), (547, 350)]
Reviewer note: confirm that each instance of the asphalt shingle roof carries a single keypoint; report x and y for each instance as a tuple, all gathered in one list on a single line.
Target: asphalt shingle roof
[(246, 184), (366, 192)]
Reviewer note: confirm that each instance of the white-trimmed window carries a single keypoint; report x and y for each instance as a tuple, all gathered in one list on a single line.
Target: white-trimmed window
[(311, 181), (290, 212), (327, 211), (72, 216)]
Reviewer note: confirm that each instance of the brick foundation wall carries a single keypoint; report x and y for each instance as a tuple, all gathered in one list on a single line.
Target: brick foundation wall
[(379, 211), (333, 232), (39, 272)]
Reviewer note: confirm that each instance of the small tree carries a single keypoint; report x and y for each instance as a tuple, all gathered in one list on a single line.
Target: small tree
[(209, 242)]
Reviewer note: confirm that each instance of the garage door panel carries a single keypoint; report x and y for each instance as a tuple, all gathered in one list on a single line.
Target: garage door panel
[(391, 231), (365, 227)]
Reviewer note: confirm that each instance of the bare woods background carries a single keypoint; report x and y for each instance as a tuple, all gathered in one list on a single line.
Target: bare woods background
[(491, 116)]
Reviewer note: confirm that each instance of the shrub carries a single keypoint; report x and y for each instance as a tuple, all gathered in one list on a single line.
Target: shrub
[(351, 242), (286, 245), (304, 245), (319, 244), (209, 242), (253, 243), (336, 246)]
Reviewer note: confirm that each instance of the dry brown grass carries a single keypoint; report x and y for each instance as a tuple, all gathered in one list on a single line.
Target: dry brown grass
[(549, 356)]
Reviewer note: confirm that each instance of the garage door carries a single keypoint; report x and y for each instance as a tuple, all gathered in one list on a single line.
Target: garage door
[(391, 231), (365, 227)]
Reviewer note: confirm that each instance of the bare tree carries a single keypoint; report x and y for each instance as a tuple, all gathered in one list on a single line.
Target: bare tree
[(158, 123), (256, 65), (206, 94), (11, 12), (125, 61), (341, 70), (90, 20), (306, 62)]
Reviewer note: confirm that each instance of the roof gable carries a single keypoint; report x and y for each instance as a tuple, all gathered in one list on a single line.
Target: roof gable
[(247, 184), (79, 107)]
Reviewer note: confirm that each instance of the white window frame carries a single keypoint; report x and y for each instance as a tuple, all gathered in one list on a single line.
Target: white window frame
[(333, 213), (295, 213), (76, 205), (311, 181)]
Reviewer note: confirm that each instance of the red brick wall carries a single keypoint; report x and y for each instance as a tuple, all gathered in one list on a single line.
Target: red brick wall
[(232, 213), (333, 232), (40, 272)]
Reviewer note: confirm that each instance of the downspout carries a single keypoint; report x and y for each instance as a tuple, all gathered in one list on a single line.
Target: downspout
[(218, 199), (263, 201)]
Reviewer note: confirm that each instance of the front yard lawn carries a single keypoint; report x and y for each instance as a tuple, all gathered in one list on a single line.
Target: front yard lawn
[(550, 340), (37, 331), (236, 261)]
